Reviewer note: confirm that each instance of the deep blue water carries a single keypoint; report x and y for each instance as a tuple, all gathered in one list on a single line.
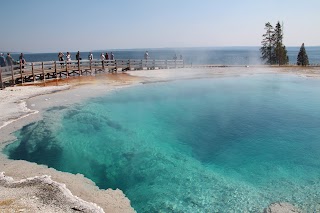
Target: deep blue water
[(218, 55), (233, 144)]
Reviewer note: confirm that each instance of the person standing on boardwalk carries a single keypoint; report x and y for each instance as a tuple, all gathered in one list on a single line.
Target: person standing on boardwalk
[(175, 57), (60, 57), (68, 56), (9, 59), (102, 57), (22, 60), (90, 56), (146, 55), (112, 56), (107, 56), (78, 56), (3, 62)]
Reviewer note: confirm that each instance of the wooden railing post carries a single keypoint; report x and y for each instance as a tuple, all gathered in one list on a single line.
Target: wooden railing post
[(2, 84), (32, 70), (79, 67), (12, 76), (67, 72), (90, 64), (21, 73), (55, 69), (42, 68), (55, 72)]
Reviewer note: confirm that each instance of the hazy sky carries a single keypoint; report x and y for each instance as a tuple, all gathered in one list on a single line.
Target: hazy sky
[(60, 25)]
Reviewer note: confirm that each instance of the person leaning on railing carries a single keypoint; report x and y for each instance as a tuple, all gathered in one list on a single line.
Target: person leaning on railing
[(3, 62), (78, 56), (102, 58), (9, 59), (90, 56), (22, 60)]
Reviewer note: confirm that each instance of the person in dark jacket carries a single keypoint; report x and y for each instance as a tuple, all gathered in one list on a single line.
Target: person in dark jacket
[(78, 56), (9, 60), (3, 62), (22, 60)]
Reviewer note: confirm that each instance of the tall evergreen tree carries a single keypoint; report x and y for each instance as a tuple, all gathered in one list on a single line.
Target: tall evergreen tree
[(302, 58), (280, 51), (267, 44), (273, 51)]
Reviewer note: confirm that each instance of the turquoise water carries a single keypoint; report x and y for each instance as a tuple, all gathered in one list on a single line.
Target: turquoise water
[(233, 144)]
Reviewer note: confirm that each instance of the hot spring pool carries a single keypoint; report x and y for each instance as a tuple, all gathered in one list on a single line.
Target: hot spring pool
[(232, 144)]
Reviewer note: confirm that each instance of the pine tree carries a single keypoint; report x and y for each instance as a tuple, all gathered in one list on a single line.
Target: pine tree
[(267, 44), (280, 52), (273, 51), (302, 58)]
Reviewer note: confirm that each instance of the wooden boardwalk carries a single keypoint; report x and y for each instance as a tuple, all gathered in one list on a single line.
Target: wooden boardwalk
[(42, 71)]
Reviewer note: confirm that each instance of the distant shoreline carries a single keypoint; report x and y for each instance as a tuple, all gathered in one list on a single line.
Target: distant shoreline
[(156, 48)]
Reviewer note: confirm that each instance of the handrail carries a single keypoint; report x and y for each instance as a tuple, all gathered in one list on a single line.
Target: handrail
[(32, 71)]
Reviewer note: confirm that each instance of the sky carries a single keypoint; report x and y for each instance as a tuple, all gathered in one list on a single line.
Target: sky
[(60, 25)]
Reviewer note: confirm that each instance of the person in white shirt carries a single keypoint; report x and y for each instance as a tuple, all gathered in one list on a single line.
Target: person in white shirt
[(90, 56), (68, 56), (102, 56), (146, 55)]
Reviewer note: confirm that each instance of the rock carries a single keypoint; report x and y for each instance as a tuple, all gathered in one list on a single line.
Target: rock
[(52, 196), (281, 208)]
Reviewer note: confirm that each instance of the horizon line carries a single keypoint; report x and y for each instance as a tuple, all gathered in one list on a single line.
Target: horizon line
[(147, 49)]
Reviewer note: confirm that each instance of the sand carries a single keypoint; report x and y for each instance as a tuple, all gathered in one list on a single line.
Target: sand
[(28, 187)]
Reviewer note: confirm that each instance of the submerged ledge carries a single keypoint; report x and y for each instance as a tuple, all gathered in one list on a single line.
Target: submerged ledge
[(12, 111)]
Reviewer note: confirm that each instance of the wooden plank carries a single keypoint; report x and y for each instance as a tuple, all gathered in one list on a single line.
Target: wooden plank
[(55, 69), (21, 73), (12, 74), (1, 82), (44, 77), (79, 67), (32, 68)]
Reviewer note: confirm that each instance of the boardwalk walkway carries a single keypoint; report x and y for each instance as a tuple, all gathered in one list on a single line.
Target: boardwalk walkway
[(42, 71)]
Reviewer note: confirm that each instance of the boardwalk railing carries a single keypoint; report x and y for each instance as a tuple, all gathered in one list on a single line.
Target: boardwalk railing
[(41, 71)]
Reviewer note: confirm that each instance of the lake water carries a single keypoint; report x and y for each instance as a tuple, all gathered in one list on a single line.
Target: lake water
[(232, 144), (208, 55)]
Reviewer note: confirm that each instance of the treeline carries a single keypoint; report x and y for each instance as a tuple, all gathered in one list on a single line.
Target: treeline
[(274, 51)]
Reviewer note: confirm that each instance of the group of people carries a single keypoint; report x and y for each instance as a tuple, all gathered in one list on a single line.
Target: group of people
[(8, 60), (175, 57), (61, 56), (103, 56), (90, 56)]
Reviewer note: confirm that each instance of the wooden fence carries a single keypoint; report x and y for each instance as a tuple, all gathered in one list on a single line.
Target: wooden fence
[(42, 71)]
